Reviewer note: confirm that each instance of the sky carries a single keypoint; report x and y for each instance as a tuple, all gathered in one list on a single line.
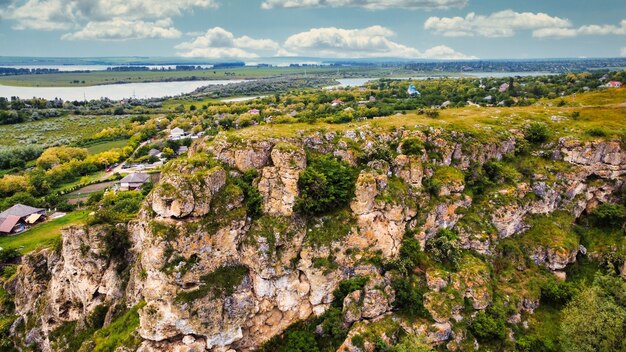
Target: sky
[(249, 29)]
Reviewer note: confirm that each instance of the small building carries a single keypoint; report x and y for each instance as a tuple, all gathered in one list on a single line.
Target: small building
[(133, 181), (504, 87), (177, 134), (336, 102), (446, 103), (614, 84), (254, 112), (154, 152), (183, 149), (16, 218), (413, 91)]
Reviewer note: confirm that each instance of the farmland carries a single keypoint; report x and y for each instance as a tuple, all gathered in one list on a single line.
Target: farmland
[(81, 79)]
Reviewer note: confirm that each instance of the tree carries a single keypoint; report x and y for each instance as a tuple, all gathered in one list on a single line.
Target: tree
[(593, 322), (325, 185)]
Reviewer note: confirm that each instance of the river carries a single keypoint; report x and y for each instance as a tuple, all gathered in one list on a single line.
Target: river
[(110, 91)]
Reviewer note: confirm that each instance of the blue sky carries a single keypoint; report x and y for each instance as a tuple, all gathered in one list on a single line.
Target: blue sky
[(216, 29)]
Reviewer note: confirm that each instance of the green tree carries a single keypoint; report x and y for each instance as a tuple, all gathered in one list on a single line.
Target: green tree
[(593, 322), (325, 185)]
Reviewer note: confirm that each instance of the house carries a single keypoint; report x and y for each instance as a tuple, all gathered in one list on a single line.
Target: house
[(16, 218), (177, 134), (337, 102), (11, 224), (446, 103), (413, 91), (254, 112), (154, 152), (133, 181), (614, 84), (183, 149), (504, 87)]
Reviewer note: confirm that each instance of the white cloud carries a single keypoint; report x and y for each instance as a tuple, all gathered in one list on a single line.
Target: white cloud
[(623, 52), (594, 29), (360, 43), (85, 16), (497, 24), (120, 29), (445, 53), (220, 43), (367, 4)]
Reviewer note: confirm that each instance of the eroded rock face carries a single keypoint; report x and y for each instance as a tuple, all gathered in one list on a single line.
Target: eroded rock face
[(381, 225), (68, 286), (186, 191), (279, 183), (179, 246)]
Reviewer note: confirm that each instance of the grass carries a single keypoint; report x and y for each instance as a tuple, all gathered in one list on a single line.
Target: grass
[(219, 284), (59, 130), (43, 235), (106, 146), (96, 176), (486, 124), (121, 332)]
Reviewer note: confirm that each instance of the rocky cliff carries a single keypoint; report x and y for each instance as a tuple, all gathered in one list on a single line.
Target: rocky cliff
[(210, 276)]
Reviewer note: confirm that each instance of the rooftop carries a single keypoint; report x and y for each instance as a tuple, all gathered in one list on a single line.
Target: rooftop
[(136, 177), (20, 210), (7, 224)]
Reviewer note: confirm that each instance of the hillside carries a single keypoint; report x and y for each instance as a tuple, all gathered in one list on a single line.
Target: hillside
[(480, 228)]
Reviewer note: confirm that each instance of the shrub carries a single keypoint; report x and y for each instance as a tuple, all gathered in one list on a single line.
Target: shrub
[(219, 284), (445, 248), (487, 327), (410, 296), (596, 132), (608, 215), (325, 185), (537, 133), (252, 197), (412, 343), (411, 250), (412, 146), (346, 287), (557, 292)]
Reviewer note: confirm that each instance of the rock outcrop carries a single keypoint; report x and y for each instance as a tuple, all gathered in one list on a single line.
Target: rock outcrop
[(214, 278)]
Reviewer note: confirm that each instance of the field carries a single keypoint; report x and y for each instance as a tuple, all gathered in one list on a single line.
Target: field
[(43, 235), (106, 146), (108, 77), (59, 130), (609, 119)]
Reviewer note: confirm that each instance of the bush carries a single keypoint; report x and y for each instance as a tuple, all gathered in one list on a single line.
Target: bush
[(608, 215), (412, 146), (557, 292), (325, 185), (252, 197), (219, 284), (596, 132), (410, 296), (537, 133), (346, 287), (487, 327), (445, 248)]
